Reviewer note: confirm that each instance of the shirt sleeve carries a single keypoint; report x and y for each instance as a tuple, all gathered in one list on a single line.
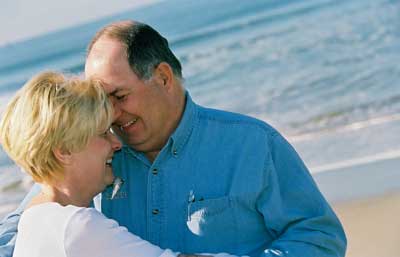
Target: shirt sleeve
[(9, 225), (8, 234), (90, 233), (295, 211)]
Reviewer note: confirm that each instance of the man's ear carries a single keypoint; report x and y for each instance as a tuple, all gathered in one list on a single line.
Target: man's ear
[(164, 75), (63, 156)]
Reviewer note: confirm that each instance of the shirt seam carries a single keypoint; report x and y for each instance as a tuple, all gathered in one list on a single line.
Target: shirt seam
[(188, 131), (270, 131), (181, 141)]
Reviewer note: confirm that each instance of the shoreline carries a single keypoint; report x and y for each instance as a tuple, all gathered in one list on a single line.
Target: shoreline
[(361, 181)]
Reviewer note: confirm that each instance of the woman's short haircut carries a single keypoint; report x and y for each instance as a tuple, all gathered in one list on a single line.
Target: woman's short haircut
[(52, 111)]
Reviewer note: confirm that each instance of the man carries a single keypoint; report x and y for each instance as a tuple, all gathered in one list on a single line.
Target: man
[(197, 179)]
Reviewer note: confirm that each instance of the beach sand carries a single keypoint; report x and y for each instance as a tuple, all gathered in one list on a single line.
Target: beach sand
[(372, 225), (366, 197)]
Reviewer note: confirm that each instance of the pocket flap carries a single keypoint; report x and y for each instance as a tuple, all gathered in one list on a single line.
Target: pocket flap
[(209, 207)]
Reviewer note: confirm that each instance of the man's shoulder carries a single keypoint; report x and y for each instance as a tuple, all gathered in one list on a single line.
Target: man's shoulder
[(222, 118)]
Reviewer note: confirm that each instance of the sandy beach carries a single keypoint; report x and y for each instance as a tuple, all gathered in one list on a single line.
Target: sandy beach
[(372, 225), (366, 197)]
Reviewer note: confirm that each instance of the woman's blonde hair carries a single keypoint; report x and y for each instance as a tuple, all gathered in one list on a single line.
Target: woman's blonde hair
[(52, 112)]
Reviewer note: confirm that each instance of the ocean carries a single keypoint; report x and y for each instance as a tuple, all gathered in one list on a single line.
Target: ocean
[(325, 73)]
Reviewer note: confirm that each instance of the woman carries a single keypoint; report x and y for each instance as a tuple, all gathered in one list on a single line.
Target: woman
[(57, 130)]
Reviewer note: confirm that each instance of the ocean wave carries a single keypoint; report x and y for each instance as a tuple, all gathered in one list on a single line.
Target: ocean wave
[(294, 9), (353, 126), (13, 82), (388, 155), (36, 60)]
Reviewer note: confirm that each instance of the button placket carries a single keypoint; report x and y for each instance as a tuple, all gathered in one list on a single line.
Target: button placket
[(155, 204)]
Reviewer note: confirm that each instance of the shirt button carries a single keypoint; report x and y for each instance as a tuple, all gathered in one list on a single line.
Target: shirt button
[(155, 211), (154, 171), (175, 152)]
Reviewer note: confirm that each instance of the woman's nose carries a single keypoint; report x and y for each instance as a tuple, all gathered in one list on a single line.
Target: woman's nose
[(115, 143)]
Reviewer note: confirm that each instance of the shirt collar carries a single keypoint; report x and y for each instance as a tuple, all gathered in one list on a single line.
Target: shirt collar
[(185, 127)]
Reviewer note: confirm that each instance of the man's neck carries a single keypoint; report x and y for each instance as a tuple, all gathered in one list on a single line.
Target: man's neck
[(151, 156), (176, 119)]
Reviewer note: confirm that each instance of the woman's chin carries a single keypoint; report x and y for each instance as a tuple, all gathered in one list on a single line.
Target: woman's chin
[(109, 177)]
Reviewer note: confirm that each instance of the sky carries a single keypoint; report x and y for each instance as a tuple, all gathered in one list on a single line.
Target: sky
[(23, 19)]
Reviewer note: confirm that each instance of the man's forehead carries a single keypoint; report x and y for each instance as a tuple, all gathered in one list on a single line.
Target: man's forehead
[(105, 61), (107, 48), (100, 66), (108, 75)]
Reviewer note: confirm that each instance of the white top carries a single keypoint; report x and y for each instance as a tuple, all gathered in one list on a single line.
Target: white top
[(52, 230)]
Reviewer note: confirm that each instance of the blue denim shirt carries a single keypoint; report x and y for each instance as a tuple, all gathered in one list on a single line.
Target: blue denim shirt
[(224, 182)]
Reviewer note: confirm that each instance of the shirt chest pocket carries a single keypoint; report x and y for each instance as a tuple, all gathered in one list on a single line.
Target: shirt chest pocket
[(211, 223)]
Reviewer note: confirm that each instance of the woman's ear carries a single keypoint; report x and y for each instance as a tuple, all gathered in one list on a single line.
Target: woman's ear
[(63, 156)]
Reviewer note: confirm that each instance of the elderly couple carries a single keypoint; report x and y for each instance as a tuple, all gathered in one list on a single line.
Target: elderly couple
[(190, 179)]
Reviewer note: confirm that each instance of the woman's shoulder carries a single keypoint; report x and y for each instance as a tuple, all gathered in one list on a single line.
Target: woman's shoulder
[(54, 213), (54, 217), (69, 229), (47, 222), (87, 232), (90, 233), (90, 218)]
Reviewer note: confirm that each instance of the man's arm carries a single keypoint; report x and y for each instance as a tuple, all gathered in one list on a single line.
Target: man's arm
[(294, 209), (8, 226)]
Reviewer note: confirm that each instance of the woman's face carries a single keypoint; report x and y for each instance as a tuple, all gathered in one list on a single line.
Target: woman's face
[(92, 170)]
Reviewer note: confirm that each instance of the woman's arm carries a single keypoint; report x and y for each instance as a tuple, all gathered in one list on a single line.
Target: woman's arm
[(90, 233)]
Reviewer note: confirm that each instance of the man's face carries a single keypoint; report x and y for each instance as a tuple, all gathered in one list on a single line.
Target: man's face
[(142, 108)]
